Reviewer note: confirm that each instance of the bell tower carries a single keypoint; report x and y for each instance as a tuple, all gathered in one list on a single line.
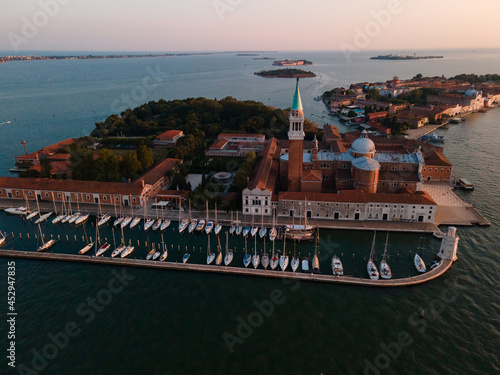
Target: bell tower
[(296, 142)]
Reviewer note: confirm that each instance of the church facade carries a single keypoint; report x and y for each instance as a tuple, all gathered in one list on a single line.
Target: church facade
[(347, 177)]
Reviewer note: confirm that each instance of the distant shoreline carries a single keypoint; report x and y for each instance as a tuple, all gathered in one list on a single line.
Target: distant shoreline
[(404, 57)]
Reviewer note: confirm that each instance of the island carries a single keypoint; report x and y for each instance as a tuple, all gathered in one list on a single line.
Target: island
[(264, 58), (287, 62), (404, 57), (247, 54), (285, 73)]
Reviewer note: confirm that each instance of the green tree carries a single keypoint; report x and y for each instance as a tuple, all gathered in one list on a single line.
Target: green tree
[(129, 166), (145, 157), (83, 166), (107, 167), (46, 171)]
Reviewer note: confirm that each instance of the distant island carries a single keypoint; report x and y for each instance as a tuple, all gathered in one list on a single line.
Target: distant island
[(247, 54), (264, 58), (285, 73), (404, 57), (5, 59), (287, 62)]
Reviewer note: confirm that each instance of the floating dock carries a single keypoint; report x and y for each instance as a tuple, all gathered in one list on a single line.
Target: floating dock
[(349, 280)]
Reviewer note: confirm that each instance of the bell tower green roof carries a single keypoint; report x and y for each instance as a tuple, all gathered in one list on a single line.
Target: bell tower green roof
[(297, 102)]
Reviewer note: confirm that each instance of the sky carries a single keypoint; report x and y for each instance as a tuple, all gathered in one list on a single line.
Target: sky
[(247, 25)]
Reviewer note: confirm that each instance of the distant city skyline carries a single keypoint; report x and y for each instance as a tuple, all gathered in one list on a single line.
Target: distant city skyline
[(235, 25)]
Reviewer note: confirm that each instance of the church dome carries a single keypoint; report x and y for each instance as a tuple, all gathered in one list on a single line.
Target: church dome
[(363, 145)]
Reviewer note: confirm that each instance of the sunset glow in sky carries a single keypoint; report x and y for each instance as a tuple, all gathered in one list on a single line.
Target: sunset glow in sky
[(222, 25)]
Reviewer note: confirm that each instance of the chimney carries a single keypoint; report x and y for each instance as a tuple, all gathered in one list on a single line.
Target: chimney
[(142, 183)]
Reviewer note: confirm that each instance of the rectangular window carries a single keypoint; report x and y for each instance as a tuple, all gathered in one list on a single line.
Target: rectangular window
[(88, 197), (59, 195)]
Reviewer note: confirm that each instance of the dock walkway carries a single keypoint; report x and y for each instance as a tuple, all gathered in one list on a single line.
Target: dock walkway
[(348, 280)]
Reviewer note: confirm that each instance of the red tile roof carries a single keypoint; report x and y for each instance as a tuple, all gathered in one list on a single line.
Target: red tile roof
[(155, 174), (169, 135), (219, 144), (436, 158), (359, 196), (331, 132), (90, 187), (264, 176), (312, 176)]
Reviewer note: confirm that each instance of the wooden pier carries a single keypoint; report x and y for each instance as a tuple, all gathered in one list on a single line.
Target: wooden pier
[(349, 280)]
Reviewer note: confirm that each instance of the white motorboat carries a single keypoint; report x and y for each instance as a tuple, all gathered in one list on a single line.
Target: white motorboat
[(118, 250), (43, 217), (47, 245), (305, 264), (200, 225), (105, 247), (294, 263), (371, 268), (419, 264), (17, 211), (185, 257), (134, 222), (164, 225), (157, 224), (337, 267), (127, 251), (209, 227), (148, 224), (81, 219), (31, 215), (385, 270), (86, 248), (125, 222)]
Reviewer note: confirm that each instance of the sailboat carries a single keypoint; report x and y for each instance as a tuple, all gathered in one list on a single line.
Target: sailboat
[(164, 255), (43, 217), (300, 232), (232, 228), (315, 262), (265, 257), (148, 222), (274, 259), (118, 220), (239, 228), (245, 232), (186, 256), (418, 261), (192, 222), (263, 229), (128, 250), (69, 213), (61, 215), (254, 229), (150, 254), (31, 215), (229, 254), (371, 267), (165, 223), (104, 247), (120, 248), (295, 261), (385, 270), (273, 233), (210, 255), (135, 220), (255, 257), (210, 224), (218, 260), (76, 215), (247, 259), (183, 223), (81, 219), (88, 246), (103, 219), (45, 245), (157, 224), (218, 226), (284, 257), (157, 253)]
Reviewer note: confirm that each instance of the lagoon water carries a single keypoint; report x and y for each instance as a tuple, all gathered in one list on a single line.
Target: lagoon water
[(166, 322)]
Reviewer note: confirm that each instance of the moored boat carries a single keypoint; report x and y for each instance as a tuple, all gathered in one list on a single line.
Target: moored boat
[(385, 270), (127, 251), (47, 245), (165, 224), (337, 268), (43, 217), (134, 222), (31, 215), (209, 227), (105, 247), (371, 268), (17, 211), (118, 250), (305, 264), (200, 225), (419, 264)]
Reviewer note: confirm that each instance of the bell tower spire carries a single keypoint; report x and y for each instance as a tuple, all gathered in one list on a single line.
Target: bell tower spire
[(296, 142)]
